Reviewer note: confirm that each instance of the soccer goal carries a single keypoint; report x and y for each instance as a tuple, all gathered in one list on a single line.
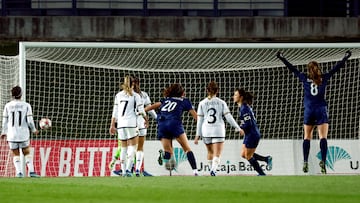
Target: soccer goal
[(74, 85)]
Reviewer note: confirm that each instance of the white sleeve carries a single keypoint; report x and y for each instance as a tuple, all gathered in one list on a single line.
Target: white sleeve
[(30, 118), (153, 114), (115, 109), (229, 118), (200, 120), (4, 121), (147, 102), (139, 105)]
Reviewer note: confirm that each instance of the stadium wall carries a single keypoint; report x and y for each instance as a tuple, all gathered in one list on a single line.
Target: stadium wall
[(137, 28)]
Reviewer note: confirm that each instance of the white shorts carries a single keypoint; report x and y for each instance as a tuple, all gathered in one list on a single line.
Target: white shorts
[(212, 140), (126, 133), (142, 132), (19, 145), (213, 131)]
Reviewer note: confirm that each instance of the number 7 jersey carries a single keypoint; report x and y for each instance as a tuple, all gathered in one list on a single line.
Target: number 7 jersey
[(126, 109)]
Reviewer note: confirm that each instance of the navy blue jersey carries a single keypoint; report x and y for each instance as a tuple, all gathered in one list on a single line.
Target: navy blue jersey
[(314, 95), (170, 114), (172, 108), (248, 122)]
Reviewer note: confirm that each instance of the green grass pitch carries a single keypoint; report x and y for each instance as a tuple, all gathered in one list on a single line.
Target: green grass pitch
[(183, 189)]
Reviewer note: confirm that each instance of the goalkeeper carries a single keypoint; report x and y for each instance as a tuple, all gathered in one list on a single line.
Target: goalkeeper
[(315, 106)]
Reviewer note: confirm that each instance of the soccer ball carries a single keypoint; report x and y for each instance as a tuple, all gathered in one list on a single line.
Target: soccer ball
[(170, 165), (45, 123)]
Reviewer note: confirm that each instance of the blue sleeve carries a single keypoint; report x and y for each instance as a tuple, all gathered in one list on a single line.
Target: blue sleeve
[(291, 67), (187, 104), (246, 117), (337, 67)]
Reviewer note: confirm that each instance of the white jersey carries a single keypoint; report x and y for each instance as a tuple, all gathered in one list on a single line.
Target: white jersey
[(17, 119), (210, 118), (126, 109), (146, 101)]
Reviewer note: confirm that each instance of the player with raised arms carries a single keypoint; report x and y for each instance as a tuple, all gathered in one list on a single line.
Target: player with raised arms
[(315, 105), (127, 106), (17, 119), (170, 126), (211, 127)]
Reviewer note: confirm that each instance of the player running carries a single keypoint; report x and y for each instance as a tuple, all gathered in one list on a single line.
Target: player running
[(250, 131), (315, 106), (170, 123), (211, 126), (17, 119)]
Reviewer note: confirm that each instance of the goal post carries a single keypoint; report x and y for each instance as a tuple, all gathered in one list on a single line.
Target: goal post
[(9, 77), (74, 85)]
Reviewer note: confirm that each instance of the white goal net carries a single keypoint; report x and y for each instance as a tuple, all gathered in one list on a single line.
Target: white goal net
[(74, 85)]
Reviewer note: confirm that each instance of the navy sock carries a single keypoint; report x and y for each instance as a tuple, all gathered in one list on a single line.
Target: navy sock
[(323, 149), (256, 166), (258, 157), (167, 156), (191, 159), (306, 149)]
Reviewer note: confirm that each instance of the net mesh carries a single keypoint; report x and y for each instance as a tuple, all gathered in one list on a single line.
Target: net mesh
[(75, 87)]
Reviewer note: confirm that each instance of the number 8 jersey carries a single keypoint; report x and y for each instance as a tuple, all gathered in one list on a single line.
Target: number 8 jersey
[(314, 95)]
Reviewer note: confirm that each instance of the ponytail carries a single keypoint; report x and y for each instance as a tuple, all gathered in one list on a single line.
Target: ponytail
[(314, 72), (127, 85)]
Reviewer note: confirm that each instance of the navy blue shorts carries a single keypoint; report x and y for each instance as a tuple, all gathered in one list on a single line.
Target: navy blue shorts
[(316, 115), (169, 129), (251, 141)]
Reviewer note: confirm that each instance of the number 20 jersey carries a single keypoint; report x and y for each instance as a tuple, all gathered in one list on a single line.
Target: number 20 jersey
[(172, 108)]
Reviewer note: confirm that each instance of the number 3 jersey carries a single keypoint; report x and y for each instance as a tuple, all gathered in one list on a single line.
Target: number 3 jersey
[(210, 118), (17, 118)]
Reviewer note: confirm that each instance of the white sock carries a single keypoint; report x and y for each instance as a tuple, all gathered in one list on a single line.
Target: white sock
[(130, 157), (215, 163), (29, 163), (17, 164), (139, 159), (210, 163), (123, 158)]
